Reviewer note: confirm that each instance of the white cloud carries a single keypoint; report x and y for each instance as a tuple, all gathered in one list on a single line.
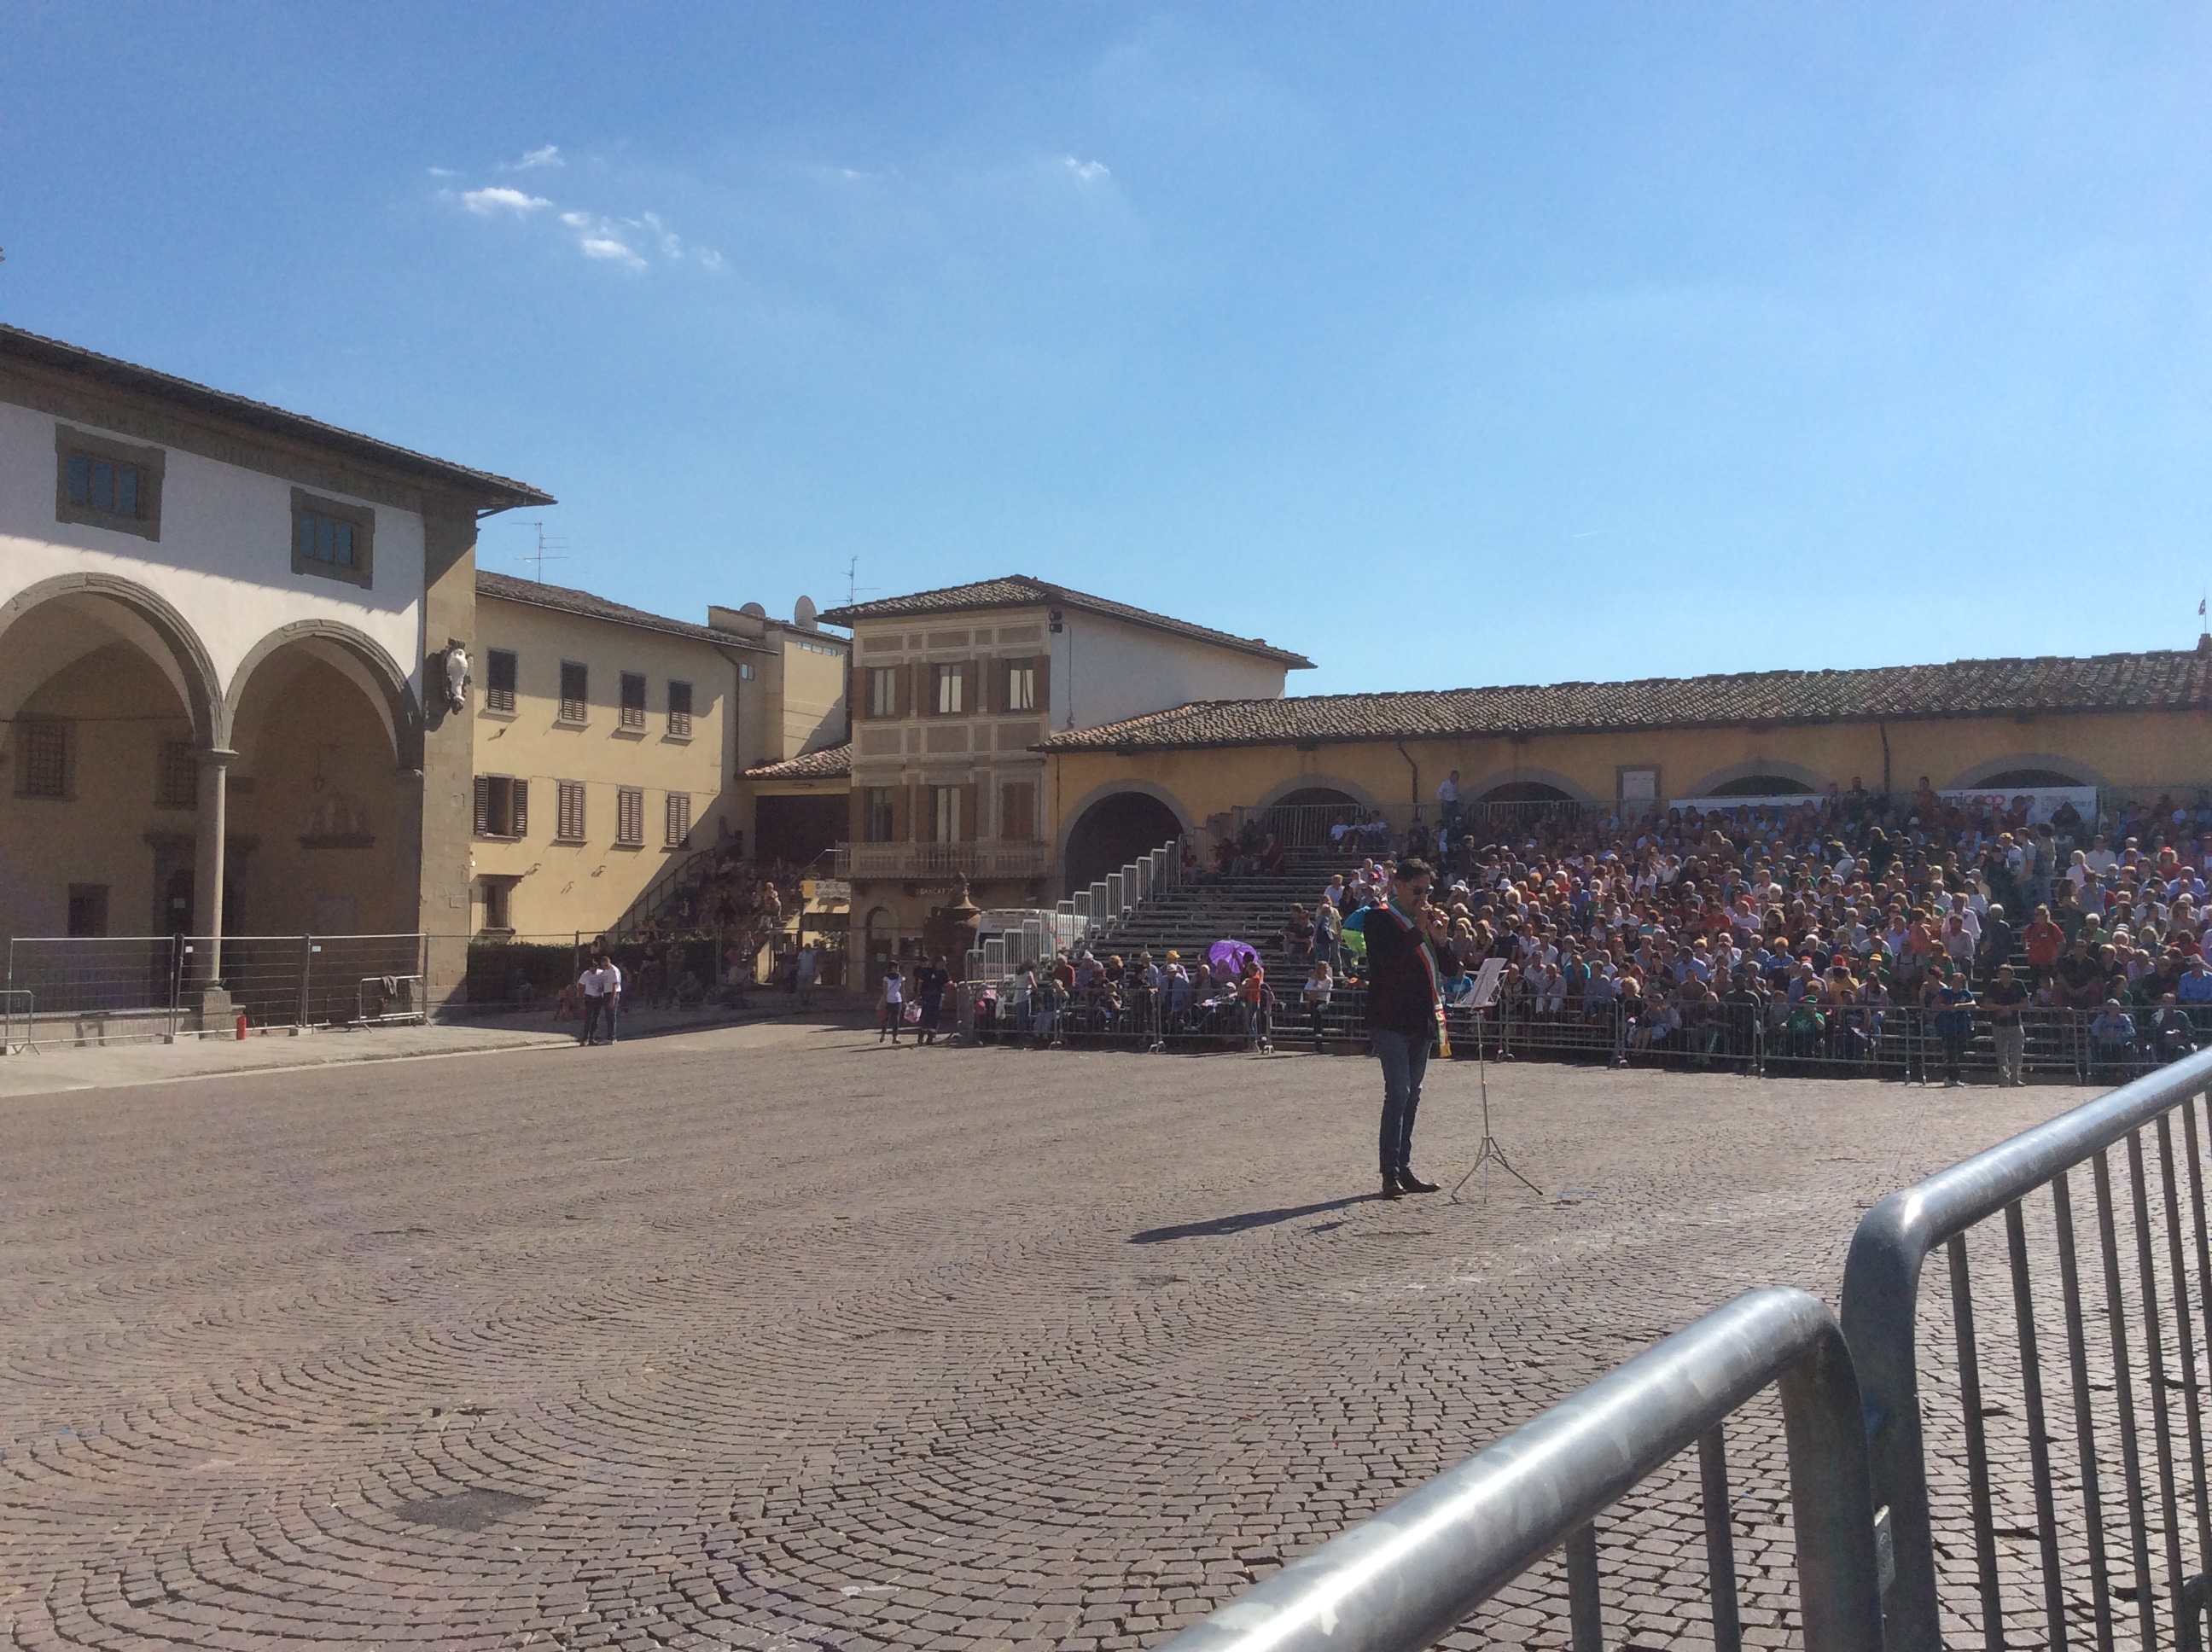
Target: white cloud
[(602, 246), (548, 156), (443, 171), (709, 256), (488, 201), (1085, 172), (577, 220)]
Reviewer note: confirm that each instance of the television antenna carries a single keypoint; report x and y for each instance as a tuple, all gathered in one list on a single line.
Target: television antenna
[(547, 551), (852, 586)]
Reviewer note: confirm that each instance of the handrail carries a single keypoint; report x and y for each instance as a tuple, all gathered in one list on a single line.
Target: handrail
[(1882, 1293), (1403, 1579)]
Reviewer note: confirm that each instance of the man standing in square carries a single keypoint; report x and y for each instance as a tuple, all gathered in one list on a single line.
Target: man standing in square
[(1408, 954)]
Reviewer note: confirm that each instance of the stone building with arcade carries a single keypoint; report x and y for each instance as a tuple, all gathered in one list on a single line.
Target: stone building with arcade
[(232, 639)]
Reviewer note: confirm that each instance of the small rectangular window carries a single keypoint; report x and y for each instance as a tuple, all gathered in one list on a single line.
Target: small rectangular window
[(629, 817), (177, 778), (949, 681), (876, 817), (107, 484), (498, 680), (568, 824), (87, 909), (883, 691), (575, 682), (1021, 686), (331, 538), (497, 913), (944, 804), (503, 806), (679, 709), (42, 765), (633, 700), (678, 821), (1017, 811)]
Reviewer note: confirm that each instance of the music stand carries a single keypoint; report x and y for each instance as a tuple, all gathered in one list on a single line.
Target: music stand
[(1486, 983)]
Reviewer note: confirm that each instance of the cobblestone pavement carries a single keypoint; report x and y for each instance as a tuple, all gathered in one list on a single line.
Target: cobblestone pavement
[(774, 1336)]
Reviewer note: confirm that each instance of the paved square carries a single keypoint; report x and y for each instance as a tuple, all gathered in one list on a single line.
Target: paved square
[(774, 1336)]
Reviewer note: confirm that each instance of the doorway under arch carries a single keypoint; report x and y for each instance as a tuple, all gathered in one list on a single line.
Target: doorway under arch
[(1762, 786), (1526, 792), (1113, 831), (2026, 779)]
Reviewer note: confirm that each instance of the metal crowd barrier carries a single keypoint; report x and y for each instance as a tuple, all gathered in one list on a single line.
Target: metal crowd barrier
[(102, 989), (2148, 1307), (1401, 1580)]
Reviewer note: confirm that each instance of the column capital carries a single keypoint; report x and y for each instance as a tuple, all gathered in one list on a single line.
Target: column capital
[(216, 756)]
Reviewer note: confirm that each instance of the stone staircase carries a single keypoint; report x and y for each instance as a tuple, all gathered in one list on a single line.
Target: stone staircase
[(1190, 917)]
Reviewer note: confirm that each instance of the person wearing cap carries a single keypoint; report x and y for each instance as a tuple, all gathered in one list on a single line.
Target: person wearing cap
[(1409, 951)]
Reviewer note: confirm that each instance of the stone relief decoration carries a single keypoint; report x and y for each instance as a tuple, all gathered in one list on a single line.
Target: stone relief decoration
[(339, 821)]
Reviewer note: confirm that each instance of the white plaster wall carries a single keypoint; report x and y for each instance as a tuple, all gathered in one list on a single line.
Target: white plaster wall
[(224, 558), (1104, 670)]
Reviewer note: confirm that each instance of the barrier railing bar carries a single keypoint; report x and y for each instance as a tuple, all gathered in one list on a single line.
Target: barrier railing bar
[(2085, 1430), (2205, 1296), (1720, 1539), (1881, 1295), (1978, 1451), (2039, 1441), (2115, 1318), (1585, 1610), (2154, 1375), (1405, 1577)]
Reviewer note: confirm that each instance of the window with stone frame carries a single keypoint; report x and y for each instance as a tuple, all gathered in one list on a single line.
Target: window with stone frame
[(42, 757)]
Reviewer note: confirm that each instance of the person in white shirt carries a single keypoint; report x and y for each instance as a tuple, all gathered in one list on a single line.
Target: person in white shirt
[(807, 965), (601, 982), (892, 1005)]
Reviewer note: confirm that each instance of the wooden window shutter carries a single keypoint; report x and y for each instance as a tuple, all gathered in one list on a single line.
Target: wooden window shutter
[(902, 811), (483, 806), (522, 808), (856, 815), (1043, 664), (975, 688), (971, 812)]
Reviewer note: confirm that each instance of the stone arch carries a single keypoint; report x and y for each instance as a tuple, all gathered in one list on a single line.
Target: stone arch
[(1982, 774), (1170, 804), (1352, 791), (1815, 782), (1486, 788), (358, 656), (154, 625)]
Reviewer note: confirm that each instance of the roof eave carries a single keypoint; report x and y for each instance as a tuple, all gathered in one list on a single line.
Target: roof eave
[(490, 493)]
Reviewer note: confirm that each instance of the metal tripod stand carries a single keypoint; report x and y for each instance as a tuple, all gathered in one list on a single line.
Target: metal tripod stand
[(1489, 1152)]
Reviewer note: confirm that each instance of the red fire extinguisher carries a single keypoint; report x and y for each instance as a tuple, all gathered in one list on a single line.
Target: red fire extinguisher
[(241, 1026)]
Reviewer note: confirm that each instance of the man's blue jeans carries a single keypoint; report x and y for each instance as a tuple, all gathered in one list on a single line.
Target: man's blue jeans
[(1404, 1060)]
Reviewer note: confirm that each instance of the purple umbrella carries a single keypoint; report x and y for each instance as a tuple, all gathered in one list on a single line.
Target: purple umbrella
[(1232, 954)]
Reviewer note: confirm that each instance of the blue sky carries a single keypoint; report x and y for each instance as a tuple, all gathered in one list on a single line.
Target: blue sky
[(1447, 344)]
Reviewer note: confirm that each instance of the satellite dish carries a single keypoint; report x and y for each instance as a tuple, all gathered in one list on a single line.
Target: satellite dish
[(803, 616), (755, 610)]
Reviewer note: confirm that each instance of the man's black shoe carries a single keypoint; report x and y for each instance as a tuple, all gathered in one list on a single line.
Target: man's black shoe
[(1391, 1189), (1412, 1184)]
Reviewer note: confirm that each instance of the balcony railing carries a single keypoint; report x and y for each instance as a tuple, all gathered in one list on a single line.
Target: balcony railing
[(971, 860)]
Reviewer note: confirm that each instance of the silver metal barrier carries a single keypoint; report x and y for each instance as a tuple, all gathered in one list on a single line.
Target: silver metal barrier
[(1402, 1579), (1880, 1312), (10, 1041)]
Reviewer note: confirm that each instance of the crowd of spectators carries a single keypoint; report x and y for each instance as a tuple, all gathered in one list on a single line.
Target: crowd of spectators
[(1847, 929)]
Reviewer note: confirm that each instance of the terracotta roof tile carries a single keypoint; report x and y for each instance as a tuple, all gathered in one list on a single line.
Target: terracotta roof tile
[(832, 762), (1021, 591), (2164, 680), (565, 600)]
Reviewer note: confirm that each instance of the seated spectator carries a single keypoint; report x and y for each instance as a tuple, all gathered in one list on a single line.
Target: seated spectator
[(2112, 1039)]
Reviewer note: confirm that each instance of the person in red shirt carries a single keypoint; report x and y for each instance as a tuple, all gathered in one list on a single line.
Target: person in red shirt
[(2045, 940)]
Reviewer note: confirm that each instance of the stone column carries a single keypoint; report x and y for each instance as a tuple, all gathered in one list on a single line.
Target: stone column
[(213, 1004)]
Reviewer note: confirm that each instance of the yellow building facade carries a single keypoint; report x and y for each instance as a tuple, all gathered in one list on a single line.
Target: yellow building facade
[(607, 752), (2137, 723)]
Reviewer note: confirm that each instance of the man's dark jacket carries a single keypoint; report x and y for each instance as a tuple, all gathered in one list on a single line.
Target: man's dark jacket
[(1400, 995)]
